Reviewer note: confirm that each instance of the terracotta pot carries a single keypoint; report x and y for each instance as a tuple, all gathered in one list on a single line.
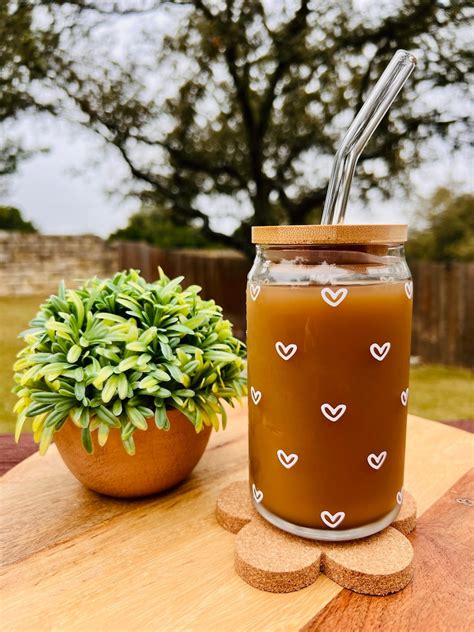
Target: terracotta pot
[(162, 458)]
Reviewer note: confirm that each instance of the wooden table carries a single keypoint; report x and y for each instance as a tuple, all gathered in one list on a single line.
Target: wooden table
[(73, 560)]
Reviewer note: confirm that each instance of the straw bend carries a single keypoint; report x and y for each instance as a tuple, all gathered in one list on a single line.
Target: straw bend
[(363, 126)]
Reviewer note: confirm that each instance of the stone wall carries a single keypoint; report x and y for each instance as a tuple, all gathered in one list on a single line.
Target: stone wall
[(34, 264)]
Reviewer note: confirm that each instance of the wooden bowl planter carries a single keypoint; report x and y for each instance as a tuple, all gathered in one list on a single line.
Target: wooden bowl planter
[(128, 378), (162, 458)]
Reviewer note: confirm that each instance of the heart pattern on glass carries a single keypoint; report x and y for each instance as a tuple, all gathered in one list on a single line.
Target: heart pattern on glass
[(254, 291), (333, 413), (257, 493), (377, 460), (400, 497), (379, 352), (332, 520), (409, 289), (404, 397), (333, 297), (286, 352), (256, 395), (287, 460)]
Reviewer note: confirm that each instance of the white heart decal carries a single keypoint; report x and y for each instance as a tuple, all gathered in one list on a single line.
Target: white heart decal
[(379, 352), (257, 494), (287, 460), (376, 461), (404, 397), (286, 353), (256, 395), (400, 497), (409, 289), (333, 414), (387, 279), (254, 291), (333, 297), (332, 520)]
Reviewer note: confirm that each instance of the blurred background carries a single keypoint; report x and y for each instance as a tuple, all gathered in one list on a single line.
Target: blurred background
[(139, 133)]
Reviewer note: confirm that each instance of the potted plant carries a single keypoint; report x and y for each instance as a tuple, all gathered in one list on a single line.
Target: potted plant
[(128, 378)]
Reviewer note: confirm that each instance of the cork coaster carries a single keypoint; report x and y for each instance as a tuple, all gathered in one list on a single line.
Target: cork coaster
[(377, 565), (272, 560), (405, 522), (275, 561), (234, 508)]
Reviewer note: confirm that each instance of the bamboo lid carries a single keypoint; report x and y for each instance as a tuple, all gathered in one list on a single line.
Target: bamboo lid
[(330, 234)]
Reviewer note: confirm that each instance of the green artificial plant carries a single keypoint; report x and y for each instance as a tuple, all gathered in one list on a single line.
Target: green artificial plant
[(114, 353)]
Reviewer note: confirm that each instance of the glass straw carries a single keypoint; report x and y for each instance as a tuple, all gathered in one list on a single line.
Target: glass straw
[(360, 131)]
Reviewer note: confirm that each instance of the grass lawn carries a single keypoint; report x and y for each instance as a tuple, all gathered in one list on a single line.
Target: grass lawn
[(441, 392), (436, 392), (15, 314)]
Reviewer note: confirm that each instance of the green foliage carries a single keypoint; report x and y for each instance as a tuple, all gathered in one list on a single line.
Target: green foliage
[(256, 95), (11, 219), (449, 232), (262, 95), (152, 226), (115, 353), (27, 56)]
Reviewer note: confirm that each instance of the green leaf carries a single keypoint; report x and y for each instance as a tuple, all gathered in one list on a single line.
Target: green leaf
[(220, 356), (161, 418), (166, 351), (117, 407), (20, 422), (176, 373), (86, 439), (161, 376), (127, 431), (136, 346), (128, 363), (110, 388), (54, 416), (37, 409), (143, 360), (122, 386), (185, 392), (136, 417), (129, 446), (102, 376), (148, 383), (78, 305), (107, 417), (103, 434), (79, 390), (46, 438), (148, 336)]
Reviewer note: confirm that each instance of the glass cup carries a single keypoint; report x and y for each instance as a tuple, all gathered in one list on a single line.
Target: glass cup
[(328, 334)]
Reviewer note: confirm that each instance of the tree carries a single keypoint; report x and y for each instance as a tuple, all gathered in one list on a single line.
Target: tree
[(152, 226), (26, 55), (448, 234), (35, 65), (11, 219), (251, 103)]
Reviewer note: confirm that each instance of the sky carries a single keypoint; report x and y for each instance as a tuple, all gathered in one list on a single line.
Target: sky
[(60, 192), (66, 189)]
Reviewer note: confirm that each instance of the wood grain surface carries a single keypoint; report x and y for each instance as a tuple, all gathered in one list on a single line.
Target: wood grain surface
[(12, 453), (441, 596), (73, 560)]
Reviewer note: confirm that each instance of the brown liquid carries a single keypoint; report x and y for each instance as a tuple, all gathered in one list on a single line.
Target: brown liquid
[(332, 365)]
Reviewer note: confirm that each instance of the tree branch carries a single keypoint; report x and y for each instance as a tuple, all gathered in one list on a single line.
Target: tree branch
[(285, 58)]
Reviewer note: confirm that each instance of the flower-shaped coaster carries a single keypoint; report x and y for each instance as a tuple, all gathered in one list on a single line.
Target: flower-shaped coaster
[(273, 560)]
